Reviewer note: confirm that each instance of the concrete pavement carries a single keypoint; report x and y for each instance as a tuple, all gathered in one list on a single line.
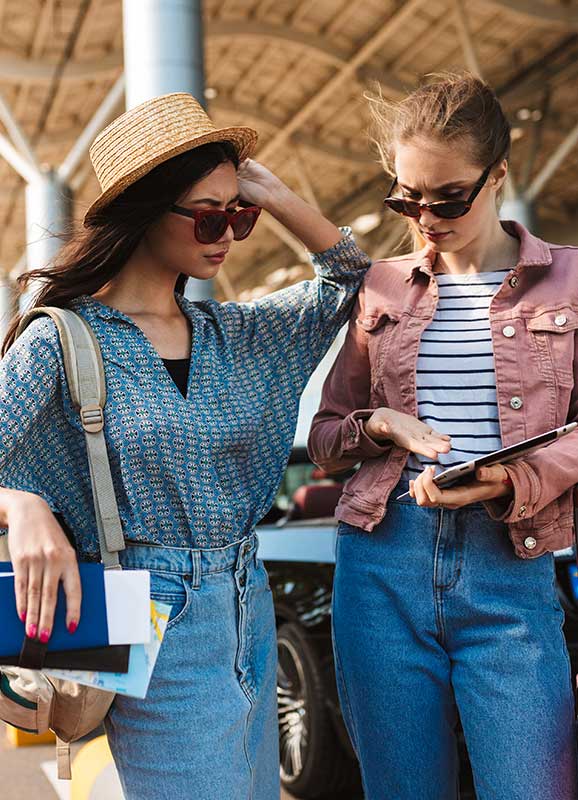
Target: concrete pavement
[(22, 776)]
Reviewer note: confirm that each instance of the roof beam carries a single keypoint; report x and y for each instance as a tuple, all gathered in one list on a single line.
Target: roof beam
[(305, 186), (261, 118), (465, 34), (536, 11), (553, 164), (285, 236), (19, 138), (104, 113), (345, 72), (22, 166), (314, 44), (544, 70), (39, 71)]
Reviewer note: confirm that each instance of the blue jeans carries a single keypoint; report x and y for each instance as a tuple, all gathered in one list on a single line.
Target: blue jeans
[(207, 729), (433, 614)]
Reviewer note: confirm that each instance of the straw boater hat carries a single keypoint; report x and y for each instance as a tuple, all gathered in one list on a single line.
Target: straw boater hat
[(137, 141)]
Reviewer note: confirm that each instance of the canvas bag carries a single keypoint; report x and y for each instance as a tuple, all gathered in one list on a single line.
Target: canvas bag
[(29, 699)]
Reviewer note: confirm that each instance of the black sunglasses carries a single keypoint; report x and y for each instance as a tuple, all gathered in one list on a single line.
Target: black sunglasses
[(211, 223), (445, 209)]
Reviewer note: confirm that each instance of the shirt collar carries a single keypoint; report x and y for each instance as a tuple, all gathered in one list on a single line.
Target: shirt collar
[(96, 308), (533, 251)]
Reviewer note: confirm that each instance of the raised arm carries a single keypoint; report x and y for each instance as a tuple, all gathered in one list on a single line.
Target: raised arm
[(294, 327), (258, 185)]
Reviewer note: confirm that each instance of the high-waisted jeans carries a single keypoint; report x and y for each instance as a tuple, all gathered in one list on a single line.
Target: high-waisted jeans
[(207, 729), (433, 614)]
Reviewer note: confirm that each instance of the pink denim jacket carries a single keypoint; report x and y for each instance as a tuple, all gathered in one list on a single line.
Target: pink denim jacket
[(534, 322)]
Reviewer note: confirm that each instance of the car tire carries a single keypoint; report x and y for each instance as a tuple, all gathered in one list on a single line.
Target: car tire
[(313, 763)]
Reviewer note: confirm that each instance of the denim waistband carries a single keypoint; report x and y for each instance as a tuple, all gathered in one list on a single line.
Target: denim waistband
[(189, 561)]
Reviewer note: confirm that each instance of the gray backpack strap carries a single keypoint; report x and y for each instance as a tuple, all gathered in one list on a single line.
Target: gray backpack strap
[(86, 383)]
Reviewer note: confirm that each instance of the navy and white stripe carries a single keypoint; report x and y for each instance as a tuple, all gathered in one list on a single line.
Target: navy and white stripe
[(456, 380)]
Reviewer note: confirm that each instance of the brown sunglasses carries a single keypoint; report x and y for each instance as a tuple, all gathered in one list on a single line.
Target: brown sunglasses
[(445, 209)]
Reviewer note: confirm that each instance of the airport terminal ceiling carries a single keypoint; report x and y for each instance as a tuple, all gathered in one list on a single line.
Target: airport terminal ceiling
[(296, 70)]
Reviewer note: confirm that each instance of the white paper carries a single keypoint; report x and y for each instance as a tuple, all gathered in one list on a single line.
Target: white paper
[(128, 600), (142, 660)]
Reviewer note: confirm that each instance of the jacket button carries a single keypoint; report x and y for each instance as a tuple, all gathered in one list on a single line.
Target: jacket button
[(352, 436), (516, 402), (530, 543), (242, 579), (522, 511), (560, 320), (509, 331), (514, 281)]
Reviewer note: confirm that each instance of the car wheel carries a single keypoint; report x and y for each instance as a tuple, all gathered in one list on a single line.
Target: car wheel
[(312, 761)]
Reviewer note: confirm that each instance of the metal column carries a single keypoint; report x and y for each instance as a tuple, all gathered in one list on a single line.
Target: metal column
[(7, 305), (48, 216), (520, 210), (163, 52)]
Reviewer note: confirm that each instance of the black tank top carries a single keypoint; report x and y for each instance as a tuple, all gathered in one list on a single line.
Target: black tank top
[(179, 371)]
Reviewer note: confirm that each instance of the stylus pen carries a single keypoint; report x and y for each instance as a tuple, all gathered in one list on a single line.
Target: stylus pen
[(405, 494)]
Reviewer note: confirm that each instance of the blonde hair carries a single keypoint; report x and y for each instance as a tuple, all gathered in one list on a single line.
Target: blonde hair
[(455, 108)]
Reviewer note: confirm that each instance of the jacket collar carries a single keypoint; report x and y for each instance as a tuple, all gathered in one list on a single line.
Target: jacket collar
[(533, 251)]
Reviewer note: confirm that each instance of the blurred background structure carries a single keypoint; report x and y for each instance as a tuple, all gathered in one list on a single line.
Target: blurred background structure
[(294, 69)]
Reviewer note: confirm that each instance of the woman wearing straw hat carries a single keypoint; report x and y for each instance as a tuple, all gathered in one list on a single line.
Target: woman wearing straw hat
[(202, 407)]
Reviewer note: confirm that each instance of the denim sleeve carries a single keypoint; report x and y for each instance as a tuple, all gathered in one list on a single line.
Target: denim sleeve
[(30, 379), (300, 322)]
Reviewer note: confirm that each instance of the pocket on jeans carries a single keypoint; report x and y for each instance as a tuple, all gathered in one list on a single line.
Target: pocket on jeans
[(170, 588), (345, 529)]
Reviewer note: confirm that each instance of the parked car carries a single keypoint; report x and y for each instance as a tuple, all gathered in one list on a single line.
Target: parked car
[(297, 542)]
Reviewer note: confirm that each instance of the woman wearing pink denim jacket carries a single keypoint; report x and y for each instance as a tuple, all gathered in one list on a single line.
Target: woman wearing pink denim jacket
[(445, 603)]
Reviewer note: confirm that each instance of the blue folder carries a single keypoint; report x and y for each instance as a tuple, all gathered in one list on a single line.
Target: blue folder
[(92, 630)]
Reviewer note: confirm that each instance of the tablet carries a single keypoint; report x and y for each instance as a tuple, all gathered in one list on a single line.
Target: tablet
[(464, 472), (501, 456)]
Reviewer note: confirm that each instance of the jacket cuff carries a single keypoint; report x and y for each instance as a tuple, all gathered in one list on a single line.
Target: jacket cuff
[(526, 490), (354, 437)]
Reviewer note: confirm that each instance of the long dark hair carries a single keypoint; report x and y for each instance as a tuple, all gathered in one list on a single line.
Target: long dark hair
[(94, 255)]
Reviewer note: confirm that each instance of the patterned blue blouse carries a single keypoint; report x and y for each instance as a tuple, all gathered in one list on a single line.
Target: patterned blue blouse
[(199, 471)]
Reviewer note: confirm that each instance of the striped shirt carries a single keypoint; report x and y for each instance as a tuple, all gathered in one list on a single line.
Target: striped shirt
[(456, 381)]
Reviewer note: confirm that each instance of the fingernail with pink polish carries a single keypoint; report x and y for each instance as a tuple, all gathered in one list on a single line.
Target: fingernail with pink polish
[(31, 631), (23, 616), (72, 626), (44, 636)]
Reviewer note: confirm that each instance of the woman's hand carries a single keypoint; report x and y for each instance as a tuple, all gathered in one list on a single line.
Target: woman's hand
[(407, 432), (42, 556), (257, 185), (490, 483), (260, 187)]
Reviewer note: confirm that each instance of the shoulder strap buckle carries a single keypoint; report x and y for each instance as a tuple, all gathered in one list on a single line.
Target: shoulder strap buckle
[(92, 418)]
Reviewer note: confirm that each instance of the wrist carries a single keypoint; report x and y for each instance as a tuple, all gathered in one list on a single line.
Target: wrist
[(379, 437), (278, 196), (20, 503)]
